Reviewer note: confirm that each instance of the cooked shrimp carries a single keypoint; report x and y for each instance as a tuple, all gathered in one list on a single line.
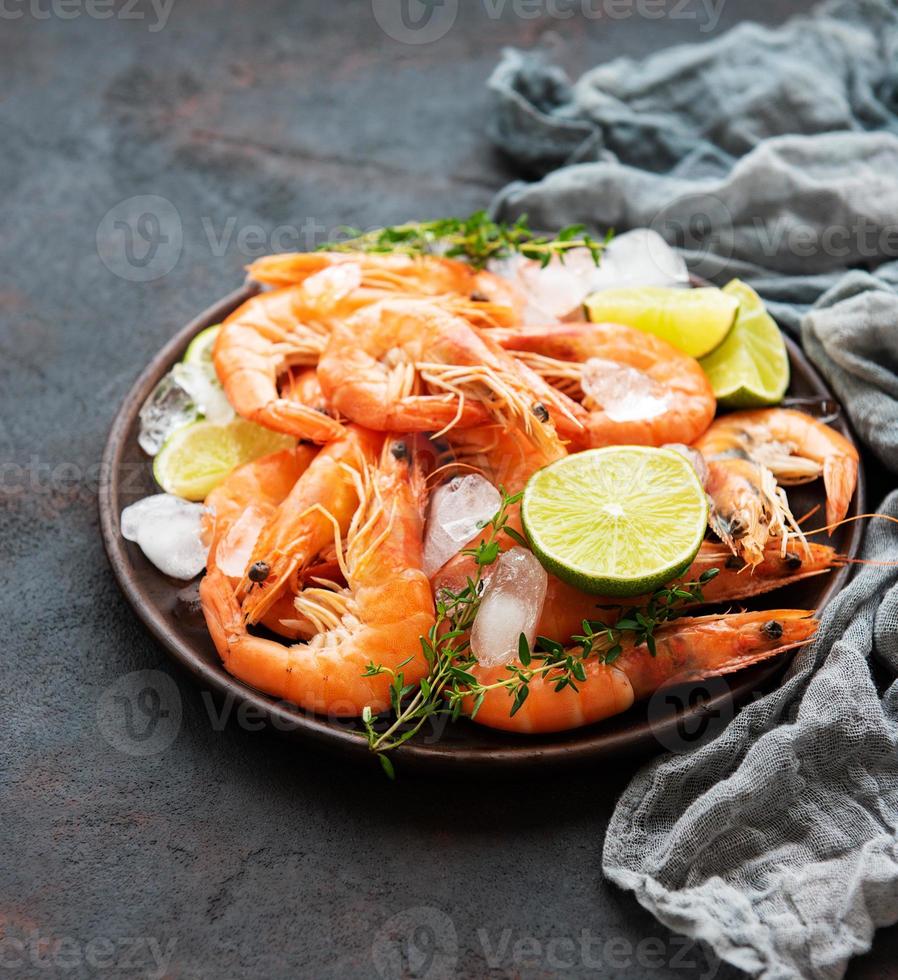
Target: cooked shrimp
[(258, 343), (687, 650), (566, 607), (505, 456), (262, 484), (383, 367), (237, 512), (633, 387), (795, 447), (317, 510), (301, 384), (383, 273), (379, 617)]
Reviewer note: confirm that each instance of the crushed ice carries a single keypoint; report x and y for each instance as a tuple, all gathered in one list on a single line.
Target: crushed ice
[(167, 529), (637, 258), (169, 407), (626, 394), (201, 383), (458, 510), (512, 604), (187, 393)]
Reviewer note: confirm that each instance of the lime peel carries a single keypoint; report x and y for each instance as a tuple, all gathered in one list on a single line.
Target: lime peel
[(750, 369), (197, 457), (199, 350)]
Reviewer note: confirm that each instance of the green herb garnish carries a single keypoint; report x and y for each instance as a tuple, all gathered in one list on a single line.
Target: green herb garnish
[(476, 239), (449, 681)]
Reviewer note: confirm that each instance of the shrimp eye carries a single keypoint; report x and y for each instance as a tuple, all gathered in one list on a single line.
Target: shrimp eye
[(541, 412), (734, 563), (773, 629), (399, 450), (477, 297), (258, 572), (792, 560)]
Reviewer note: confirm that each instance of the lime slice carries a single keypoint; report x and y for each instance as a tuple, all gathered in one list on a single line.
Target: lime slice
[(200, 349), (197, 457), (617, 521), (694, 321), (750, 369)]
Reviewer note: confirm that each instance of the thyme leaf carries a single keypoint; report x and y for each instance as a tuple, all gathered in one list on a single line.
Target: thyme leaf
[(476, 239)]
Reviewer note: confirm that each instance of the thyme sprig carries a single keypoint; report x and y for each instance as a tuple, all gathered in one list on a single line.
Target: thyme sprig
[(449, 683), (476, 239), (446, 649), (641, 622)]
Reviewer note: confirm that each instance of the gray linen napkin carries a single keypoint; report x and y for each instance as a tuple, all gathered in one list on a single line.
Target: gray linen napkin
[(771, 155)]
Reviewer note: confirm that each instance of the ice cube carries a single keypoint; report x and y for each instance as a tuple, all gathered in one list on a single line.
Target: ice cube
[(512, 604), (552, 291), (205, 390), (236, 548), (559, 288), (639, 258), (167, 529), (458, 509), (625, 393), (168, 407)]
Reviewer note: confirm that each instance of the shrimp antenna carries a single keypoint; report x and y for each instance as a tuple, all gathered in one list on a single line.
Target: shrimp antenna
[(455, 465), (849, 520), (808, 515)]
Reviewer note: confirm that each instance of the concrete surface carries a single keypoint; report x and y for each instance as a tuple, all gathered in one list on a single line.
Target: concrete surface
[(199, 848)]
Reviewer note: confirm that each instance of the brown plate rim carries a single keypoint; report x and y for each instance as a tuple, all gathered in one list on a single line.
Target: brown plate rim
[(589, 744)]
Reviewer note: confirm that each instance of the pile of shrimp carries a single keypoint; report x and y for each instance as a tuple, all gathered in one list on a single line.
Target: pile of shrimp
[(385, 366)]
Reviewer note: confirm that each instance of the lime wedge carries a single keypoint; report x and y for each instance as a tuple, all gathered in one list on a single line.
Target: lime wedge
[(617, 521), (694, 321), (200, 349), (197, 457), (750, 369)]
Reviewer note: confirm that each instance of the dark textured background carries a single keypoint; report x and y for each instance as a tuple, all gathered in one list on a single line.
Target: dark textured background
[(243, 853)]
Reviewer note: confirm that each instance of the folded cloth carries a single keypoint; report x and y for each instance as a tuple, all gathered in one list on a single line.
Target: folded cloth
[(772, 155), (697, 108)]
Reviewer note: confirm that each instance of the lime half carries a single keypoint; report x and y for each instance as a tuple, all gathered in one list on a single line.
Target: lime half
[(750, 369), (694, 321), (200, 349), (617, 521), (197, 457)]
